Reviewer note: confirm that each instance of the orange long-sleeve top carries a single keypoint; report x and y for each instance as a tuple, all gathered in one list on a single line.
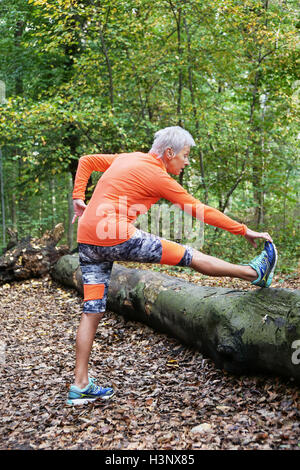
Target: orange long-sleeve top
[(130, 185)]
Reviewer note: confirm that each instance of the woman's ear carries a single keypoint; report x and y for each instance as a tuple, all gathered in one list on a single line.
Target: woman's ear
[(170, 153)]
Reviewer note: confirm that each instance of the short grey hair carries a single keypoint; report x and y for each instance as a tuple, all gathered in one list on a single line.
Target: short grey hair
[(174, 137)]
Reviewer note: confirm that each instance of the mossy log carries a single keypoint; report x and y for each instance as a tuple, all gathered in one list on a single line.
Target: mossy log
[(243, 332)]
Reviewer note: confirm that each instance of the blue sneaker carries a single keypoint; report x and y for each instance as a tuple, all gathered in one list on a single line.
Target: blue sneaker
[(88, 394), (265, 264)]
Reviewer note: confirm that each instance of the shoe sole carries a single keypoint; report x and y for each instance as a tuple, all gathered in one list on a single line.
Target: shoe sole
[(274, 267), (85, 401), (271, 273)]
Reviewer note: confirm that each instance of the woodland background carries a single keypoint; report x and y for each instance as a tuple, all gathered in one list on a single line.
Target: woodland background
[(103, 76)]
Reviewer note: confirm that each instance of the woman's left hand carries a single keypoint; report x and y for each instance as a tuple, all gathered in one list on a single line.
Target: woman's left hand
[(251, 236), (79, 208)]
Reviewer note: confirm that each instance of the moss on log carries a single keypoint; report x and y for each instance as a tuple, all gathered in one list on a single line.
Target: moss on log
[(241, 331)]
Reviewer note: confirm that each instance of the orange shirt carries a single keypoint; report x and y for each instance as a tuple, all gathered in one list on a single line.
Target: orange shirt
[(131, 184)]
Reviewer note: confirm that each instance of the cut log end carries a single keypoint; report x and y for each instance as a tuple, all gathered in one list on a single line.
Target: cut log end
[(32, 257)]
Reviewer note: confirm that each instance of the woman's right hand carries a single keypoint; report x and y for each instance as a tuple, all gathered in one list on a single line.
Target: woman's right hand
[(79, 208), (251, 236)]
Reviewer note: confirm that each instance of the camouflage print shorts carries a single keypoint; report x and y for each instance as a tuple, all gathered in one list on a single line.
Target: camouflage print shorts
[(96, 263)]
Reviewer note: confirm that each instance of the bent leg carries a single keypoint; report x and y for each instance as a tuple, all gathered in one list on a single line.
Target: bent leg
[(84, 341), (95, 276), (212, 266)]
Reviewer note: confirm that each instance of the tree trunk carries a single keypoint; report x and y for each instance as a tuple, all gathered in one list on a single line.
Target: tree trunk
[(53, 201), (2, 200), (108, 65), (194, 108), (19, 87), (70, 235), (242, 332)]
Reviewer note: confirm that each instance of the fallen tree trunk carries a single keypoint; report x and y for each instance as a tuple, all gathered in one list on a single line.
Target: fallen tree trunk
[(32, 257), (241, 331)]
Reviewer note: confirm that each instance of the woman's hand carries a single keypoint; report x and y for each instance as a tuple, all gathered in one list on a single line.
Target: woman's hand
[(251, 236), (79, 208)]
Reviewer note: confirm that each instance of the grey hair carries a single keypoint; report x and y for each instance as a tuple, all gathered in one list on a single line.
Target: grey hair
[(174, 137)]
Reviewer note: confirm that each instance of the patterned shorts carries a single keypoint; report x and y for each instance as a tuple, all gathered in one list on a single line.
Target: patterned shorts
[(96, 263)]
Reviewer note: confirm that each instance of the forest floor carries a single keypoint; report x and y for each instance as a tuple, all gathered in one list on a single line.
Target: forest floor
[(163, 389)]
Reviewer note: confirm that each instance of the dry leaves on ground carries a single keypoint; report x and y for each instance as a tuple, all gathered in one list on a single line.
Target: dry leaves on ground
[(167, 395)]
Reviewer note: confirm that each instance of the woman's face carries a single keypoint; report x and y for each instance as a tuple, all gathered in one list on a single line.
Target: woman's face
[(176, 163)]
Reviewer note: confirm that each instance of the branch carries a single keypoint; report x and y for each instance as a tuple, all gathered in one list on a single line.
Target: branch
[(268, 53), (233, 188), (87, 135)]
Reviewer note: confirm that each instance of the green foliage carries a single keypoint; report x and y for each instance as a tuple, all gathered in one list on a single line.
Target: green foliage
[(101, 77)]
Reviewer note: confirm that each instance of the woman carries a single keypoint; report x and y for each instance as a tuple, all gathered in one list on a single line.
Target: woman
[(131, 184)]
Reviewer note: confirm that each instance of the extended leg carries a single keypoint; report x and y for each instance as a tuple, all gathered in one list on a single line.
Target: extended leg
[(212, 266)]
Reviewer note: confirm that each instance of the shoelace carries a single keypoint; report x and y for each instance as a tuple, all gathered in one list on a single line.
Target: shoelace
[(260, 257), (96, 388)]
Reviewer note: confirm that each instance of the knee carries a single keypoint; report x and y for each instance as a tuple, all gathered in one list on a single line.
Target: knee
[(201, 262), (93, 317), (196, 259)]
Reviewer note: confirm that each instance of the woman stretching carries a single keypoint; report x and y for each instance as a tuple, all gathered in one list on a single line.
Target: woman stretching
[(130, 185)]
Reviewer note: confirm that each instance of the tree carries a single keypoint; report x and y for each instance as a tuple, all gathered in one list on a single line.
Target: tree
[(99, 77)]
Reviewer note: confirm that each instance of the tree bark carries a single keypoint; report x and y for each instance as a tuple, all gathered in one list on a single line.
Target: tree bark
[(194, 108), (19, 87), (243, 332), (108, 64), (32, 257), (2, 200), (70, 235)]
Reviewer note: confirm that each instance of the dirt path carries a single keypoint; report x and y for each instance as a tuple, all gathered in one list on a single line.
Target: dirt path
[(163, 389)]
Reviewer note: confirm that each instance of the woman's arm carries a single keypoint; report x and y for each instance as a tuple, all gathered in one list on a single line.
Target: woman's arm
[(172, 191), (87, 164)]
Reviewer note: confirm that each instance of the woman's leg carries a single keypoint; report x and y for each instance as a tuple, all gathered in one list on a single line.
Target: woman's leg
[(84, 341), (159, 250), (212, 266), (146, 248), (95, 275)]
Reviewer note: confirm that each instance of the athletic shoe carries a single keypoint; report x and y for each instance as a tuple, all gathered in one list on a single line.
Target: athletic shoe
[(265, 264), (88, 394)]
